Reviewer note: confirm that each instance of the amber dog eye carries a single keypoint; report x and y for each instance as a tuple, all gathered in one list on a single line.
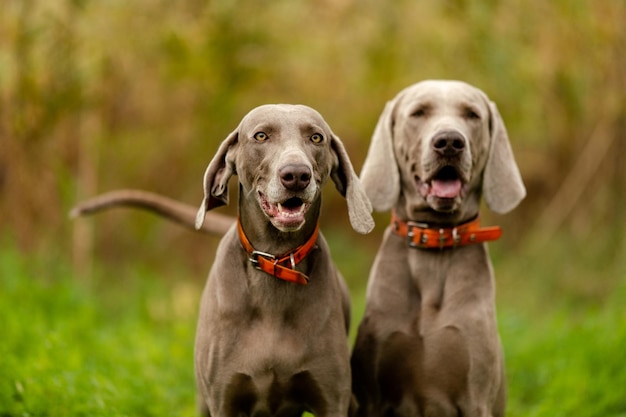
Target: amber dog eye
[(261, 136), (317, 138)]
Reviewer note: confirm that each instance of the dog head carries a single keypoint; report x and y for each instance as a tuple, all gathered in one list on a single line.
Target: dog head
[(283, 155), (438, 147)]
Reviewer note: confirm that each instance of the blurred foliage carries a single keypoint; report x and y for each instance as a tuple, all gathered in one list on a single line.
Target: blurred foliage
[(102, 95)]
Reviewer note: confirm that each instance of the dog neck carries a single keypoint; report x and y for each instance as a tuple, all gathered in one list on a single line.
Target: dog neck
[(433, 218), (421, 212)]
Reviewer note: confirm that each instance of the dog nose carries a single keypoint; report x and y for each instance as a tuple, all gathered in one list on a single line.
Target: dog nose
[(448, 143), (295, 177)]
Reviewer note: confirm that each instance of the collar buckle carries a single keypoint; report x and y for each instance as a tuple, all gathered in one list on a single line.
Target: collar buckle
[(413, 229), (254, 258)]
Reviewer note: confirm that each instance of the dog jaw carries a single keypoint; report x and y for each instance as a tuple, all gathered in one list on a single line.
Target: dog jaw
[(445, 190), (287, 215)]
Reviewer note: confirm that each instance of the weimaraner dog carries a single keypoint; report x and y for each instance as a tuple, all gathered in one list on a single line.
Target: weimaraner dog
[(266, 346), (272, 328), (428, 343)]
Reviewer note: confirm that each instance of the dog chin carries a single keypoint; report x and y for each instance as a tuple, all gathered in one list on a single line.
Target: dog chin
[(288, 216), (289, 219), (287, 226), (443, 193), (443, 205)]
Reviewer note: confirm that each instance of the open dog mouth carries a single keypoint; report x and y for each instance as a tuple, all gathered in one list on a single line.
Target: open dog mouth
[(447, 183), (287, 214)]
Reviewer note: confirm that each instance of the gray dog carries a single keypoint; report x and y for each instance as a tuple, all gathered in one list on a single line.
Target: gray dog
[(428, 344), (272, 330)]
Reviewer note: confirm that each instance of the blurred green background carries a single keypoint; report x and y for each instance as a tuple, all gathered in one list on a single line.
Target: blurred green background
[(99, 314)]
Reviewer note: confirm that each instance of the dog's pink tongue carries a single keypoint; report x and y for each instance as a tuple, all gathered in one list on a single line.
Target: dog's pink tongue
[(446, 188)]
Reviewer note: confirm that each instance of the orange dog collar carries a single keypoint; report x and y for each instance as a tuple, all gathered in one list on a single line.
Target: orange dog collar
[(284, 266), (421, 235)]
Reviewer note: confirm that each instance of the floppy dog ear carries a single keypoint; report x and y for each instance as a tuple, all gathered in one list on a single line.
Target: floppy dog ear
[(379, 174), (349, 185), (503, 188), (216, 177)]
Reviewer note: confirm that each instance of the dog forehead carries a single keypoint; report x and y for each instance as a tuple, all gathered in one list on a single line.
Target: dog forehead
[(443, 94), (282, 116)]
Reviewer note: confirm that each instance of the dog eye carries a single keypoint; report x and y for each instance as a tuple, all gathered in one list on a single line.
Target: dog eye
[(317, 138), (261, 136), (420, 112), (471, 114)]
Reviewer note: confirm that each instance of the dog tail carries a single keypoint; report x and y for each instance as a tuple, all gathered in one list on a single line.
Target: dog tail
[(184, 214)]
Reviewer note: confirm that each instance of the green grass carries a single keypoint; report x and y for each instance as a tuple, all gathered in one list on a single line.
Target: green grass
[(567, 364), (563, 326), (68, 350), (122, 345)]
